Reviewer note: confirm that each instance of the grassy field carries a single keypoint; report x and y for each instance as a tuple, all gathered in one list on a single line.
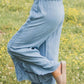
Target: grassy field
[(13, 14)]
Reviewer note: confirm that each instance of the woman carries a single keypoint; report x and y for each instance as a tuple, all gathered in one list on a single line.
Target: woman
[(34, 48)]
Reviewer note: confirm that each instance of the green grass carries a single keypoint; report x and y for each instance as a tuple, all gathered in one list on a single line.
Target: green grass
[(13, 14)]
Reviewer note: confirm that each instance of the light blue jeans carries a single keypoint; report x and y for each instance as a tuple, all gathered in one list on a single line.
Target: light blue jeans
[(34, 48)]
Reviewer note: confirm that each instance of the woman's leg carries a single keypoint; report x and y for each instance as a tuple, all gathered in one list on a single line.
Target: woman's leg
[(25, 43), (50, 48), (26, 39)]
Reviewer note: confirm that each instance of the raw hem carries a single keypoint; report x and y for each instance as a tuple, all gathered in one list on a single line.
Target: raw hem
[(52, 69), (27, 78)]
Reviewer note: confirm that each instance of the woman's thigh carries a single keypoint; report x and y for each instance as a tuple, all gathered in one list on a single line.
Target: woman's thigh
[(39, 26)]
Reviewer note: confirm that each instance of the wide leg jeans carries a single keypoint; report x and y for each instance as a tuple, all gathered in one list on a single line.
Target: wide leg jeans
[(34, 48)]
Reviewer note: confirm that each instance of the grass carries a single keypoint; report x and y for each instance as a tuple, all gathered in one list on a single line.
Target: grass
[(14, 13)]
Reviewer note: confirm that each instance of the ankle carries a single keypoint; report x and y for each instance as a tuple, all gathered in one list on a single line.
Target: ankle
[(57, 72)]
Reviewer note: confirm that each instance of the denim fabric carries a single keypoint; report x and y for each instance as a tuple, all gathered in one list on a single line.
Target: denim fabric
[(49, 81), (34, 48)]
